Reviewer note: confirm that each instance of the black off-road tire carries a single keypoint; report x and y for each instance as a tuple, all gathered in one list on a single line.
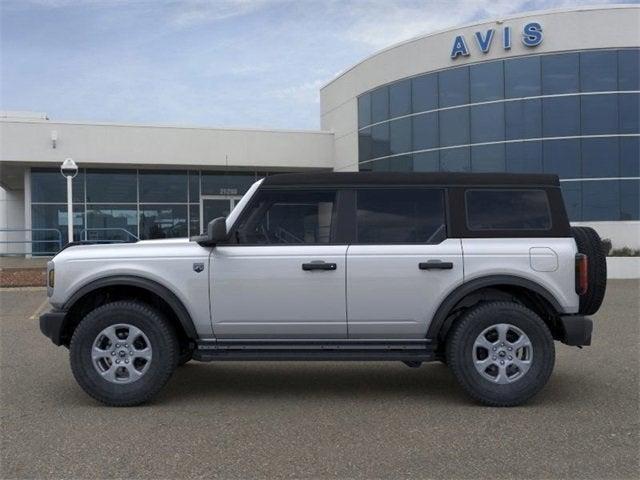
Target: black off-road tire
[(163, 342), (590, 244), (459, 353)]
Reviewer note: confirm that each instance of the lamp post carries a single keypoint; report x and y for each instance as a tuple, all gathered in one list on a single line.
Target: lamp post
[(69, 169)]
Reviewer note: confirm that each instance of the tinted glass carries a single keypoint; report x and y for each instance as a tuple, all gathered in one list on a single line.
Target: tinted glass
[(487, 81), (487, 158), (572, 195), (601, 200), (163, 221), (599, 114), (629, 199), (163, 187), (629, 69), (54, 219), (400, 216), (380, 140), (630, 157), (523, 119), (227, 183), (424, 93), (562, 157), (365, 145), (112, 222), (599, 71), (380, 104), (629, 112), (51, 187), (401, 163), (400, 98), (109, 186), (364, 110), (522, 77), (194, 187), (561, 116), (426, 162), (560, 73), (194, 220), (400, 135), (293, 217), (524, 157), (507, 210), (454, 127), (487, 123), (600, 157), (455, 160), (425, 131), (454, 87)]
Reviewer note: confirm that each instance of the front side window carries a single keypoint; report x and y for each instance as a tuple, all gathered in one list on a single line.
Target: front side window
[(507, 210), (288, 217), (400, 216)]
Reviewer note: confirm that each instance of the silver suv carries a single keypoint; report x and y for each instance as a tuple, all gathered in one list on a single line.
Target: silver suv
[(480, 271)]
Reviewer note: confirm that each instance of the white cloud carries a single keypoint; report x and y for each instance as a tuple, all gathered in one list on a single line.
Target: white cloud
[(193, 12)]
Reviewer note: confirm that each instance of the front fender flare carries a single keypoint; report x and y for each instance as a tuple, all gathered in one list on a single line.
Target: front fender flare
[(134, 281)]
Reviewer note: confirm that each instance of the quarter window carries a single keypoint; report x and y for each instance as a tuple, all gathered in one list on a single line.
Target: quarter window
[(284, 218), (400, 216), (507, 210)]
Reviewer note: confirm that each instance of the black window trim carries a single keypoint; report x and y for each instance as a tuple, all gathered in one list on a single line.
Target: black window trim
[(483, 230)]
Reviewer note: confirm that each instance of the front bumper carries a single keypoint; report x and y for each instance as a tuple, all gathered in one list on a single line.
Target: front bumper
[(52, 325), (576, 330)]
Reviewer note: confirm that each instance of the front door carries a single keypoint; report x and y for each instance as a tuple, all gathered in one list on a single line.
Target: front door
[(283, 274), (214, 206)]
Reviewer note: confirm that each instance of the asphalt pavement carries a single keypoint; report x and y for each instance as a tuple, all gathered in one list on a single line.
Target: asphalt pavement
[(322, 420)]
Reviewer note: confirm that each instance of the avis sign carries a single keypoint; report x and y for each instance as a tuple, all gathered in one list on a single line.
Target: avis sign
[(531, 37)]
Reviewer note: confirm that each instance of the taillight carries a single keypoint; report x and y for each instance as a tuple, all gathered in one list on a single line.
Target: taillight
[(582, 269)]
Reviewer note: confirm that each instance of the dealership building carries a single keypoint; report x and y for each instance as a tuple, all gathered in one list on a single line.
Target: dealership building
[(555, 92)]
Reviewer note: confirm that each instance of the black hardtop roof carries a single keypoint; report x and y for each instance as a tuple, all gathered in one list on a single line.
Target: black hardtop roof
[(392, 178)]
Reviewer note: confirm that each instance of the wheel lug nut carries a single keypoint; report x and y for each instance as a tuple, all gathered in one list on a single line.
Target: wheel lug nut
[(113, 353), (117, 361), (494, 357), (510, 348), (494, 349), (126, 360), (501, 362), (126, 345)]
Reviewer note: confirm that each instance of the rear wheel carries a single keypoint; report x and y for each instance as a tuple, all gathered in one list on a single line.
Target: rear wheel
[(589, 243), (501, 353), (123, 353)]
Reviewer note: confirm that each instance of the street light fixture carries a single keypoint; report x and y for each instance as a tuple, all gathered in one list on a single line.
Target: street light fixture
[(69, 169)]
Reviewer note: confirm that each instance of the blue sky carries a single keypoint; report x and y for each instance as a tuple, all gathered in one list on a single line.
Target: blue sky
[(245, 63)]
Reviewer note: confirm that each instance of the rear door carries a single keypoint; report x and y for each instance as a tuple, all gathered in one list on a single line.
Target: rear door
[(284, 274), (401, 264)]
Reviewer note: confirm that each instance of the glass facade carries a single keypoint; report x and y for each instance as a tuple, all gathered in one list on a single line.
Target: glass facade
[(119, 205), (573, 114)]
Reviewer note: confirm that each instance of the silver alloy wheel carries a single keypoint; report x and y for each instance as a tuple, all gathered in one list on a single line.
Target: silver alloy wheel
[(502, 353), (121, 353)]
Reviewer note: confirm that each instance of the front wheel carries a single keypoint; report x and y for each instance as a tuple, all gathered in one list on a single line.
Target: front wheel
[(123, 353), (501, 353)]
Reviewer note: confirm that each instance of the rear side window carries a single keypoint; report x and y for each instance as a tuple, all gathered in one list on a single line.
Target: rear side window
[(507, 210), (400, 216)]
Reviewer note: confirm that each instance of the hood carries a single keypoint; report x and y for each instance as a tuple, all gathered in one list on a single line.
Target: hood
[(170, 247)]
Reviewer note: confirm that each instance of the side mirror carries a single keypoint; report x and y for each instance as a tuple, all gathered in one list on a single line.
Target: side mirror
[(217, 230)]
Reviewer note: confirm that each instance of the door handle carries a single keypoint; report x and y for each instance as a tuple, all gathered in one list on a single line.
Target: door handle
[(318, 265), (435, 265)]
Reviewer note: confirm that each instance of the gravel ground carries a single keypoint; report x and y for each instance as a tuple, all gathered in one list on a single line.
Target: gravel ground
[(321, 420)]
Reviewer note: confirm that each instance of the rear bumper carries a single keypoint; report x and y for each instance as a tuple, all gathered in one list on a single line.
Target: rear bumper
[(51, 325), (576, 330)]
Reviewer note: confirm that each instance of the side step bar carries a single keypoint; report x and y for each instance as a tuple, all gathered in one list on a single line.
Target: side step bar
[(319, 350)]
